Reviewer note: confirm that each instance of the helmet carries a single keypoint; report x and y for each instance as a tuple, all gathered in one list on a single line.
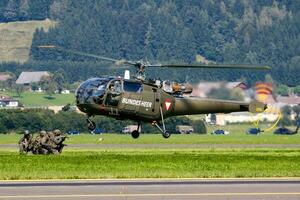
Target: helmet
[(26, 132), (43, 132), (57, 132)]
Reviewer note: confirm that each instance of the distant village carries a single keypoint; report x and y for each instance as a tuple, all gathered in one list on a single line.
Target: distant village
[(28, 81), (245, 93)]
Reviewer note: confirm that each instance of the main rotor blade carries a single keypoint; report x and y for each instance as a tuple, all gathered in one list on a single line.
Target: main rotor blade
[(83, 54), (218, 66)]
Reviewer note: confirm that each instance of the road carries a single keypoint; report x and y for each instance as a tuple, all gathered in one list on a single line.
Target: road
[(134, 189)]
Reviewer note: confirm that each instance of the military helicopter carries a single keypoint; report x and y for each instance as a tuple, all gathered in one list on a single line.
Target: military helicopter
[(145, 100)]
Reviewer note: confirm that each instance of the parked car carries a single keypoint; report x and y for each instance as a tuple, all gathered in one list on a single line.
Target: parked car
[(73, 132), (97, 131), (283, 131), (130, 128), (253, 131), (220, 132), (182, 129)]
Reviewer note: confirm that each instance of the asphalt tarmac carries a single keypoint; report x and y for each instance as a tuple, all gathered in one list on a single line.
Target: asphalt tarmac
[(165, 189)]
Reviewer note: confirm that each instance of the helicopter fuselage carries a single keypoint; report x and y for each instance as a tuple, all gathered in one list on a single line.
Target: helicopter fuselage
[(139, 100), (143, 101)]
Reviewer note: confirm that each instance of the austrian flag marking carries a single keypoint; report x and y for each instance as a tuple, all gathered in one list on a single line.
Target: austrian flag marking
[(168, 104)]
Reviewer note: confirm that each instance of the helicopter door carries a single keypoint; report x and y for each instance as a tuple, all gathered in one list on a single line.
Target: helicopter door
[(157, 97), (131, 99), (148, 101)]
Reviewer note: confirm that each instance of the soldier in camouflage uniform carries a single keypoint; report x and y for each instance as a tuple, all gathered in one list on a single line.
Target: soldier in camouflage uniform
[(41, 145), (51, 142), (44, 143), (26, 143), (57, 140)]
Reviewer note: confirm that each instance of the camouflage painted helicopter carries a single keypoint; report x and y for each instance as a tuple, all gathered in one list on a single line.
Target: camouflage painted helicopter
[(150, 101)]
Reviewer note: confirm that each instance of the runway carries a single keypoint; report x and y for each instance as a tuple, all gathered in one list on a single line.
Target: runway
[(133, 189)]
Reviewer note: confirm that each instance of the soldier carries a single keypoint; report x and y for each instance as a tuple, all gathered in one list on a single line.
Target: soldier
[(40, 145), (58, 140), (51, 142), (50, 134), (26, 143), (46, 143)]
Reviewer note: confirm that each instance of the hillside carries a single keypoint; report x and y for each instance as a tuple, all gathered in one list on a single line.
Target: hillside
[(253, 32), (16, 39), (247, 32)]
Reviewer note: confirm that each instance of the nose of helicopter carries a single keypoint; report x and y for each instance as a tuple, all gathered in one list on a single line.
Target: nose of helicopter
[(90, 94)]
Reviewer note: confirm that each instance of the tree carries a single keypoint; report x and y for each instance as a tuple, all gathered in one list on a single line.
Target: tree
[(58, 78), (50, 89), (286, 116), (11, 11), (24, 10), (296, 90), (296, 110), (19, 89), (34, 86), (48, 84), (220, 93), (282, 90), (58, 8), (39, 9), (199, 126)]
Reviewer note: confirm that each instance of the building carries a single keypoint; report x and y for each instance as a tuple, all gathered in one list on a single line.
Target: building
[(26, 78), (241, 117), (289, 100), (9, 103), (5, 77)]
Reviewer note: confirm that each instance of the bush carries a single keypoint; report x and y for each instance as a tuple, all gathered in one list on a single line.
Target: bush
[(199, 126)]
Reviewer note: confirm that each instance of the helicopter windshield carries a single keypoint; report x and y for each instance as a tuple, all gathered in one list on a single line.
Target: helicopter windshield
[(92, 91)]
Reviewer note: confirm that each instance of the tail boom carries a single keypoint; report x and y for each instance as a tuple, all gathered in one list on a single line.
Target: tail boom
[(192, 106)]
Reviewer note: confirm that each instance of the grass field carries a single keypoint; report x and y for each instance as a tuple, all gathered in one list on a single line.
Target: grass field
[(38, 99), (156, 162), (16, 38), (152, 164)]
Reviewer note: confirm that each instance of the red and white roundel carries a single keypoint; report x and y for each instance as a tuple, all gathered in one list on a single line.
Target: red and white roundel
[(168, 104)]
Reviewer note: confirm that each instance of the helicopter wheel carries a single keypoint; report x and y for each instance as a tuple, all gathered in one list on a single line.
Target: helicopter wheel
[(91, 125), (135, 134), (166, 134)]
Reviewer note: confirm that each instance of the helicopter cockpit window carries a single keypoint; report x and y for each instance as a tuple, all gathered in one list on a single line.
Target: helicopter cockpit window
[(167, 86), (92, 91), (135, 87)]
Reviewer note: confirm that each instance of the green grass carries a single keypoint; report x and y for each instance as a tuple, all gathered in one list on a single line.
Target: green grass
[(237, 136), (39, 99), (155, 162), (151, 164), (186, 139)]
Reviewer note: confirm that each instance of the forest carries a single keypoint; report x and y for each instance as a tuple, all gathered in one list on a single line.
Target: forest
[(233, 31)]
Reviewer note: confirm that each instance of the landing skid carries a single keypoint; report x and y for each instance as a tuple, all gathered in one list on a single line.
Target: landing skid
[(162, 129)]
